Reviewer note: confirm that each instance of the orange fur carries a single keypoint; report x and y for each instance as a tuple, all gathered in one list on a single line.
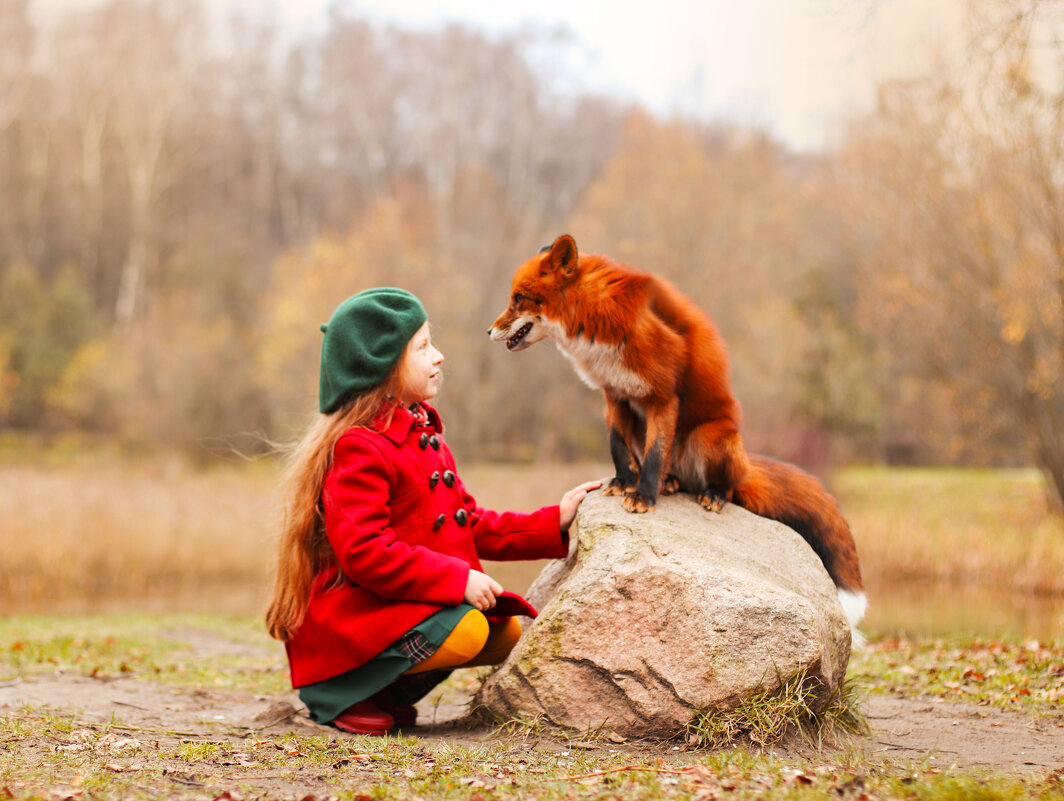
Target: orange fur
[(663, 369)]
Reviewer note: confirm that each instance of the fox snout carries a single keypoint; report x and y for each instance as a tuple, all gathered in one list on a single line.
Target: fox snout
[(501, 327), (513, 329)]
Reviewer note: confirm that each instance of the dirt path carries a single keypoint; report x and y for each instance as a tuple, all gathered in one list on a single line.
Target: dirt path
[(903, 729), (964, 735)]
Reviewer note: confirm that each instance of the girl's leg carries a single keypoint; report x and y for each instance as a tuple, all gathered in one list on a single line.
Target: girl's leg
[(468, 644), (502, 637), (464, 643), (474, 641)]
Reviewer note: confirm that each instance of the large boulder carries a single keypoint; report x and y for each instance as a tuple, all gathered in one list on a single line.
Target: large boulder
[(653, 618)]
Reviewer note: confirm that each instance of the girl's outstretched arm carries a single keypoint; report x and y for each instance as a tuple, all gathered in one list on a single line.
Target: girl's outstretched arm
[(571, 502)]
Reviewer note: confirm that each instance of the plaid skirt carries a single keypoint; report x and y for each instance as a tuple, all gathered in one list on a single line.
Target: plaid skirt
[(329, 698)]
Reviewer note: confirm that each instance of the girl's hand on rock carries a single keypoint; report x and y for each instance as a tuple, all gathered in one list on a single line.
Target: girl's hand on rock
[(571, 502), (481, 590)]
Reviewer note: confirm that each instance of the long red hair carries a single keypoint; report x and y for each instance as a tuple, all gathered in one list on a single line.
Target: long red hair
[(304, 550)]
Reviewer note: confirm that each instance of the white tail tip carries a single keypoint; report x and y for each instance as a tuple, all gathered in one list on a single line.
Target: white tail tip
[(854, 606)]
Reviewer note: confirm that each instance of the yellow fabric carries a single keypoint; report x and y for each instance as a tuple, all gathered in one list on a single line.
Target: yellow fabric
[(463, 643), (474, 641), (502, 637)]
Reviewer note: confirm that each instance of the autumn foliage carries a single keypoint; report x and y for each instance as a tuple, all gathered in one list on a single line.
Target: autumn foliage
[(177, 219)]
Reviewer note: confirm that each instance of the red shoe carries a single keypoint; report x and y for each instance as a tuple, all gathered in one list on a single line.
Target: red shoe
[(365, 717), (404, 715)]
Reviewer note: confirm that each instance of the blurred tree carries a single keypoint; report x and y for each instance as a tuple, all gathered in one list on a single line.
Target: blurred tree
[(93, 391), (153, 51), (41, 327), (836, 381), (17, 38), (961, 193), (85, 94)]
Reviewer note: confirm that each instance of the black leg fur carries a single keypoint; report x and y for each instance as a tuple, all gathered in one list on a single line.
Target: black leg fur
[(646, 494), (625, 475)]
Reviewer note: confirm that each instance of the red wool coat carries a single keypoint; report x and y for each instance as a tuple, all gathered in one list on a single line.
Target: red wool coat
[(405, 533)]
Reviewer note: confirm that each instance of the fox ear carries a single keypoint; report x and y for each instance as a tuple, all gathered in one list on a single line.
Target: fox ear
[(562, 257)]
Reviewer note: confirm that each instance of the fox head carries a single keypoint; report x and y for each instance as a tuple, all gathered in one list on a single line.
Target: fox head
[(535, 295)]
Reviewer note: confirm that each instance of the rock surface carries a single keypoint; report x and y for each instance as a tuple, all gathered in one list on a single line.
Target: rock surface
[(655, 617)]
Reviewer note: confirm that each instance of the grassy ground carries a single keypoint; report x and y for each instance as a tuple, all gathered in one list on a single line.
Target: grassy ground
[(1027, 676), (58, 751)]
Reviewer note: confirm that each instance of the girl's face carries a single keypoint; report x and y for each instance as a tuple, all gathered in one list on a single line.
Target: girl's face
[(421, 368)]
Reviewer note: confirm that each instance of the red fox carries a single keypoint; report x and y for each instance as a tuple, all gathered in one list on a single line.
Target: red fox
[(673, 421)]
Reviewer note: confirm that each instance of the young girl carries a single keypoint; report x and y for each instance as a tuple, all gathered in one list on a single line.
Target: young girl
[(379, 591)]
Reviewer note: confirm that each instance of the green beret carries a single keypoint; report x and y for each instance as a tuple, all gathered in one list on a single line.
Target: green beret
[(363, 340)]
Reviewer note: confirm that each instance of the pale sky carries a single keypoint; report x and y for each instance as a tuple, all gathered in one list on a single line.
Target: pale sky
[(793, 67)]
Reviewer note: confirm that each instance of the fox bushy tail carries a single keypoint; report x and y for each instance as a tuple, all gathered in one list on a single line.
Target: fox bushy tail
[(783, 492)]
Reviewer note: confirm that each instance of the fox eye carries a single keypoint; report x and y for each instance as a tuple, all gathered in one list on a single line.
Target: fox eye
[(518, 297)]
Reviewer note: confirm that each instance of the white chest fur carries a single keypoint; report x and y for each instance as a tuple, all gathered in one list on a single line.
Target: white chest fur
[(600, 366)]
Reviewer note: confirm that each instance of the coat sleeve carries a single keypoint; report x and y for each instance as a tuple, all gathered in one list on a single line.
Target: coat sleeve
[(356, 498), (510, 536)]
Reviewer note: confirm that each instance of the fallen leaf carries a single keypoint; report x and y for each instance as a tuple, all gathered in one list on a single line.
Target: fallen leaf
[(114, 766), (115, 745), (63, 794), (703, 772)]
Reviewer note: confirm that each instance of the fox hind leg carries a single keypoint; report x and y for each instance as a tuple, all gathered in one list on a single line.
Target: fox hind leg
[(721, 462), (713, 499)]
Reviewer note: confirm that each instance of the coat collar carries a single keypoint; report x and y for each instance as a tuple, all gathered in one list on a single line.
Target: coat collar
[(403, 421)]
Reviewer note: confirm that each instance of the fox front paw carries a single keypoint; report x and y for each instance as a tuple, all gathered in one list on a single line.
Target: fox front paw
[(637, 503), (617, 487)]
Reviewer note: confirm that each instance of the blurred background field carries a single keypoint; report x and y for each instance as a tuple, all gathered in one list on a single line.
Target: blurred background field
[(944, 551)]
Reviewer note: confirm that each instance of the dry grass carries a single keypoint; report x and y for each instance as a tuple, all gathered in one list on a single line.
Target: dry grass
[(107, 533), (965, 526), (87, 536)]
